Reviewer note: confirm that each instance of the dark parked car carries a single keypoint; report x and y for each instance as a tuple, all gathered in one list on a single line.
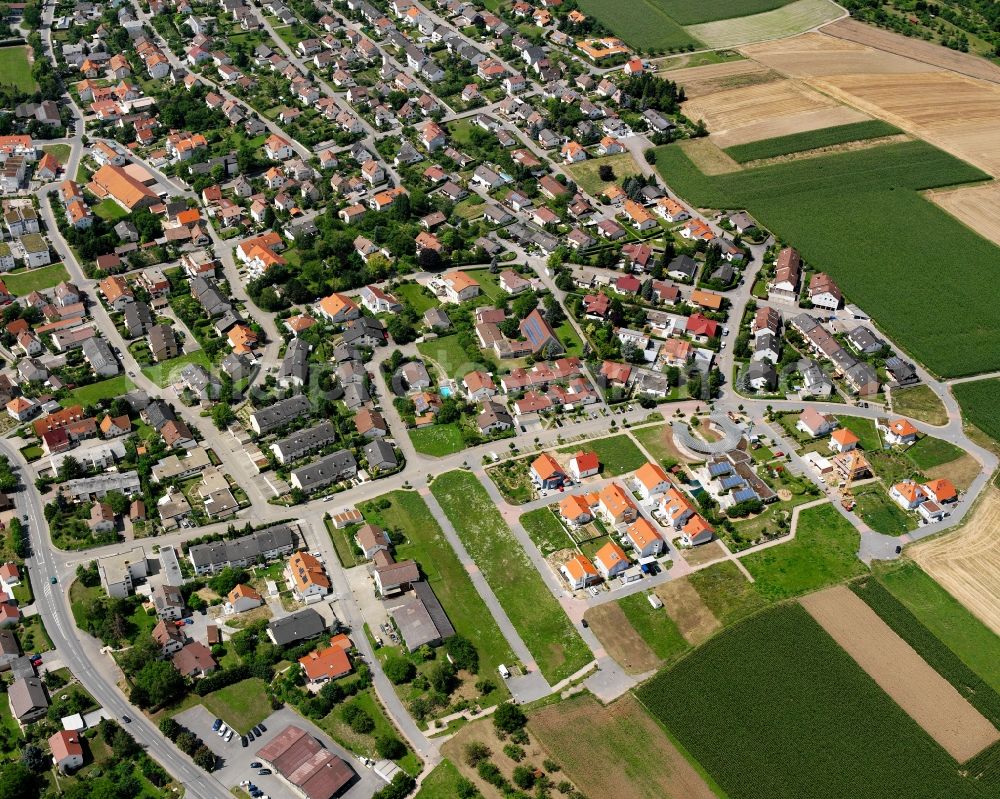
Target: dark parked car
[(256, 764), (243, 741), (264, 772)]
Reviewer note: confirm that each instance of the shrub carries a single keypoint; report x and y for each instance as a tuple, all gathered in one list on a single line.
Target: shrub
[(399, 670), (490, 773), (514, 752), (390, 747), (509, 717), (476, 753), (523, 777)]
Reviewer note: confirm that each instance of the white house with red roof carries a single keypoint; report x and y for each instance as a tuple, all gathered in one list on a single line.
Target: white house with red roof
[(584, 464)]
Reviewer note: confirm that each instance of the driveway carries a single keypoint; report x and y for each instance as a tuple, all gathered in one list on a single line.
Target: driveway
[(234, 760)]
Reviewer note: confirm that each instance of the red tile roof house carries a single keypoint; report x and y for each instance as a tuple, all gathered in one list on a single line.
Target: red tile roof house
[(584, 464), (67, 752)]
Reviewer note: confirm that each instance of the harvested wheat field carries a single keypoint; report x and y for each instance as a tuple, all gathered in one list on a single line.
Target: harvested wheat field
[(708, 157), (616, 750), (976, 206), (960, 115), (688, 610), (620, 639), (925, 695), (712, 78), (813, 55), (915, 49), (777, 108), (967, 562)]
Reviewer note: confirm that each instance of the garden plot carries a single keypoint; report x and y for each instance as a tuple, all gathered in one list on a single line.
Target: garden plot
[(684, 605), (925, 695), (621, 640), (967, 563)]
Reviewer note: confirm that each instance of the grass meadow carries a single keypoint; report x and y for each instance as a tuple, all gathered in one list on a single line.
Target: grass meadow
[(980, 403), (810, 140)]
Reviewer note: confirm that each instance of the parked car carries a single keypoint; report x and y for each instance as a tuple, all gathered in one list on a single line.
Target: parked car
[(223, 730), (229, 736), (189, 621), (243, 741), (216, 724), (262, 728), (256, 764), (264, 772)]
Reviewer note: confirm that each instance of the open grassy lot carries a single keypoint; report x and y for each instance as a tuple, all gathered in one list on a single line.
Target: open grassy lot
[(104, 389), (790, 714), (347, 550), (25, 281), (617, 454), (417, 535), (980, 402), (15, 70), (109, 210), (448, 353), (437, 439), (824, 551), (419, 297), (641, 24), (929, 452), (168, 371), (877, 509), (538, 617), (726, 592), (241, 705), (546, 531), (965, 635), (580, 733), (810, 140), (802, 201), (654, 626), (864, 429), (586, 177), (61, 152), (441, 783), (658, 440), (919, 402)]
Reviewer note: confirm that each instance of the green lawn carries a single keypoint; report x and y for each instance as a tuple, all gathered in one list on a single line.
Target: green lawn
[(864, 429), (241, 705), (811, 140), (61, 152), (554, 643), (919, 402), (617, 454), (878, 510), (25, 281), (824, 551), (366, 700), (654, 626), (343, 543), (929, 452), (586, 172), (15, 68), (567, 334), (166, 372), (437, 439), (109, 210), (964, 634), (688, 13), (33, 637), (546, 531), (416, 534), (419, 297), (95, 392), (773, 708), (448, 353), (441, 783), (889, 223)]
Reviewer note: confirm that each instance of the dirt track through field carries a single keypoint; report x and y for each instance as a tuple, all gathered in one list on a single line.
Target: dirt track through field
[(617, 635), (688, 610), (925, 695), (615, 751), (967, 562)]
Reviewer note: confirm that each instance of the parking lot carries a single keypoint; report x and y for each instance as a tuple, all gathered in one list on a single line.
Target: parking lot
[(234, 760)]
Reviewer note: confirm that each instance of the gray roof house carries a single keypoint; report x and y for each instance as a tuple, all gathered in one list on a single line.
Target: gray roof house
[(304, 442), (294, 367), (100, 357), (262, 545), (296, 627), (380, 455), (28, 701), (279, 414), (338, 466)]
